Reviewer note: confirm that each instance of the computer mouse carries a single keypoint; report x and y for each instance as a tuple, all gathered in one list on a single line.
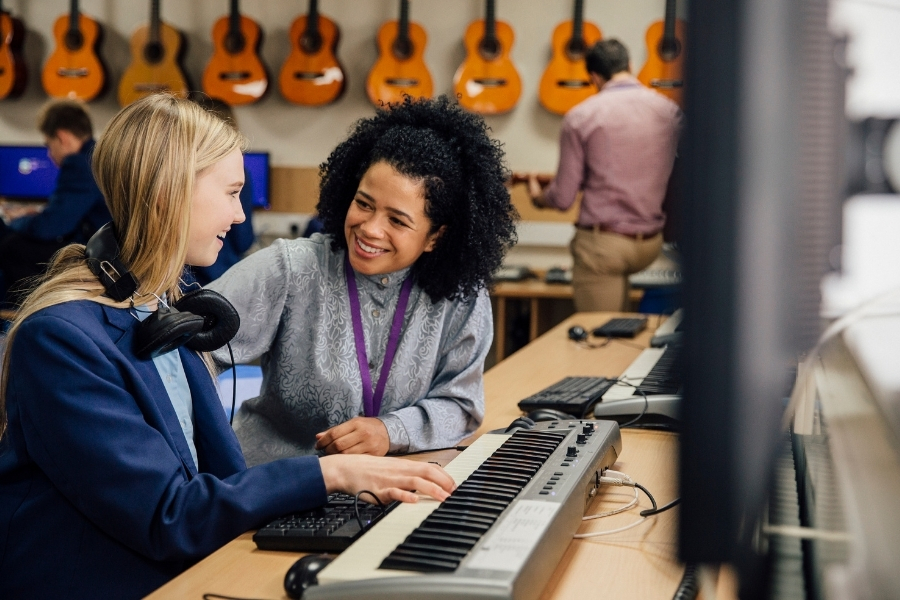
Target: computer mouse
[(520, 423), (578, 333), (549, 414), (303, 574)]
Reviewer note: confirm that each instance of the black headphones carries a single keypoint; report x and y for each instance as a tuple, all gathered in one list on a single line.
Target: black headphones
[(202, 320)]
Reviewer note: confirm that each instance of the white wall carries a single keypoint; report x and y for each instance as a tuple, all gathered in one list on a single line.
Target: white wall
[(302, 136)]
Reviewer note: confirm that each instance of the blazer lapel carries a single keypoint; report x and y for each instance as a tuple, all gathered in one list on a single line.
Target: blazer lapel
[(162, 414), (218, 450)]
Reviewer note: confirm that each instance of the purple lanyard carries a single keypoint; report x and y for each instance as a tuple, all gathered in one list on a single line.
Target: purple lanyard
[(372, 401)]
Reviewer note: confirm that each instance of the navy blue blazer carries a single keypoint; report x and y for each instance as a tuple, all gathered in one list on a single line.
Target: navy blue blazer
[(99, 497), (75, 209)]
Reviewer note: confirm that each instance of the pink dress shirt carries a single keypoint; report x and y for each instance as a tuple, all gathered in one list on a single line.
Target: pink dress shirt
[(618, 147)]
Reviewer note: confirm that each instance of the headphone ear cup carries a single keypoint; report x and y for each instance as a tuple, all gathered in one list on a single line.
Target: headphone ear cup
[(220, 319), (165, 330)]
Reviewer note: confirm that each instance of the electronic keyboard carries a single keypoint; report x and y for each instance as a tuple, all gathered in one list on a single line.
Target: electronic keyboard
[(500, 534), (653, 386)]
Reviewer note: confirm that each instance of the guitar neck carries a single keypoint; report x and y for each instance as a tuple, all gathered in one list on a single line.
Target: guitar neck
[(578, 24), (73, 15), (403, 27), (312, 19), (490, 22), (669, 23), (154, 22), (234, 18)]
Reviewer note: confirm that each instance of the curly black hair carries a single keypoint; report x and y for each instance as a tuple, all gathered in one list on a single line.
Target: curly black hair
[(463, 173)]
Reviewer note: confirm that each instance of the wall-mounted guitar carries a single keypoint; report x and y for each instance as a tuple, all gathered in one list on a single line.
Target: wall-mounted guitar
[(311, 74), (565, 82), (400, 68), (487, 82), (156, 50), (665, 56), (74, 70), (235, 74), (13, 74)]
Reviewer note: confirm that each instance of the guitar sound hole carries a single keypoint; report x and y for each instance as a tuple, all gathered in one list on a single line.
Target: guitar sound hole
[(573, 84), (489, 48), (74, 40), (234, 75), (575, 49), (153, 52), (669, 49), (402, 48), (234, 42), (310, 43)]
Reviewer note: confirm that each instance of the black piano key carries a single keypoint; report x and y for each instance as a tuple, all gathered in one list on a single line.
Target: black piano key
[(426, 565)]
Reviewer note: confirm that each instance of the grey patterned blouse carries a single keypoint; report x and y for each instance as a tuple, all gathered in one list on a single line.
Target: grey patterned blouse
[(295, 315)]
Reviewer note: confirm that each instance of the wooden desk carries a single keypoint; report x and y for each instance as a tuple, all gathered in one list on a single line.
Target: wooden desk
[(536, 292), (638, 563)]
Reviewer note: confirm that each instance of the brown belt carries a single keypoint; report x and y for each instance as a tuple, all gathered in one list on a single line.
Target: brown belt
[(607, 229)]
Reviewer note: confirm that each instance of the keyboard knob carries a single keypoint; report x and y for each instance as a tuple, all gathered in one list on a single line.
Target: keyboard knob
[(581, 439), (572, 451)]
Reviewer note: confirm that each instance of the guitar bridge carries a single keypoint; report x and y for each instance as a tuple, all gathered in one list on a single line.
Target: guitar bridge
[(573, 84), (667, 84), (401, 81), (72, 72), (490, 82), (234, 75)]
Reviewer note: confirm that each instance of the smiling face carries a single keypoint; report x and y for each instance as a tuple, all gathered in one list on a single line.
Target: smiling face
[(215, 207), (386, 226)]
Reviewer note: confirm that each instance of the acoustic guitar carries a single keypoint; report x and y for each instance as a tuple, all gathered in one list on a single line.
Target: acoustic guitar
[(400, 68), (311, 74), (487, 81), (565, 82), (665, 56), (156, 51), (235, 74), (74, 70), (13, 74)]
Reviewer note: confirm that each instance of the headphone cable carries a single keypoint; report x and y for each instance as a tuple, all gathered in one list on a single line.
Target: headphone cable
[(233, 383)]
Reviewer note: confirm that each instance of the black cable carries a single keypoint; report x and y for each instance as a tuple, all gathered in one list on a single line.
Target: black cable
[(644, 410), (380, 504), (655, 511), (649, 495), (210, 596), (233, 383), (689, 587)]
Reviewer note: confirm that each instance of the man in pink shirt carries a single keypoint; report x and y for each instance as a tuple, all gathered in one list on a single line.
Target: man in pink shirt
[(617, 148)]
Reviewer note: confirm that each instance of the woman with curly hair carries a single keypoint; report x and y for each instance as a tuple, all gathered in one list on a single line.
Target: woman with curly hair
[(373, 334)]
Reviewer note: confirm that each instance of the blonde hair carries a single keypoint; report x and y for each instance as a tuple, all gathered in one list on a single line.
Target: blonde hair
[(145, 164)]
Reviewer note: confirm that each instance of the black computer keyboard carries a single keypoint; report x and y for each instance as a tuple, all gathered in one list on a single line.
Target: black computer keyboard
[(621, 327), (572, 395), (330, 528)]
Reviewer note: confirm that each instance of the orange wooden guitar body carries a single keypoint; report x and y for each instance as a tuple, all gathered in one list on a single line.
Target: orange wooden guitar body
[(74, 70), (144, 77), (661, 74), (312, 79), (565, 82), (487, 86), (13, 74), (390, 78), (235, 77)]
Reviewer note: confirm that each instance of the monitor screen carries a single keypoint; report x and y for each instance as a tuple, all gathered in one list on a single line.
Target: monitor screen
[(26, 172), (257, 166)]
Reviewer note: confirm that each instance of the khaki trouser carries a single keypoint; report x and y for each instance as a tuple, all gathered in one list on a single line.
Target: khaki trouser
[(602, 263)]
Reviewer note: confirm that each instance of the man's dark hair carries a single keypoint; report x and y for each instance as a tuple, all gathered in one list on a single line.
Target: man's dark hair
[(70, 115), (606, 58), (463, 174)]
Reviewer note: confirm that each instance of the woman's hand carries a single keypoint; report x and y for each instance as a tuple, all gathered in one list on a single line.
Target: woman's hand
[(388, 478), (359, 435)]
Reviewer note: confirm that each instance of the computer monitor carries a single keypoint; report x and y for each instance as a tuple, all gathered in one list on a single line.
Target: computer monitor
[(257, 166), (26, 173), (761, 186)]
